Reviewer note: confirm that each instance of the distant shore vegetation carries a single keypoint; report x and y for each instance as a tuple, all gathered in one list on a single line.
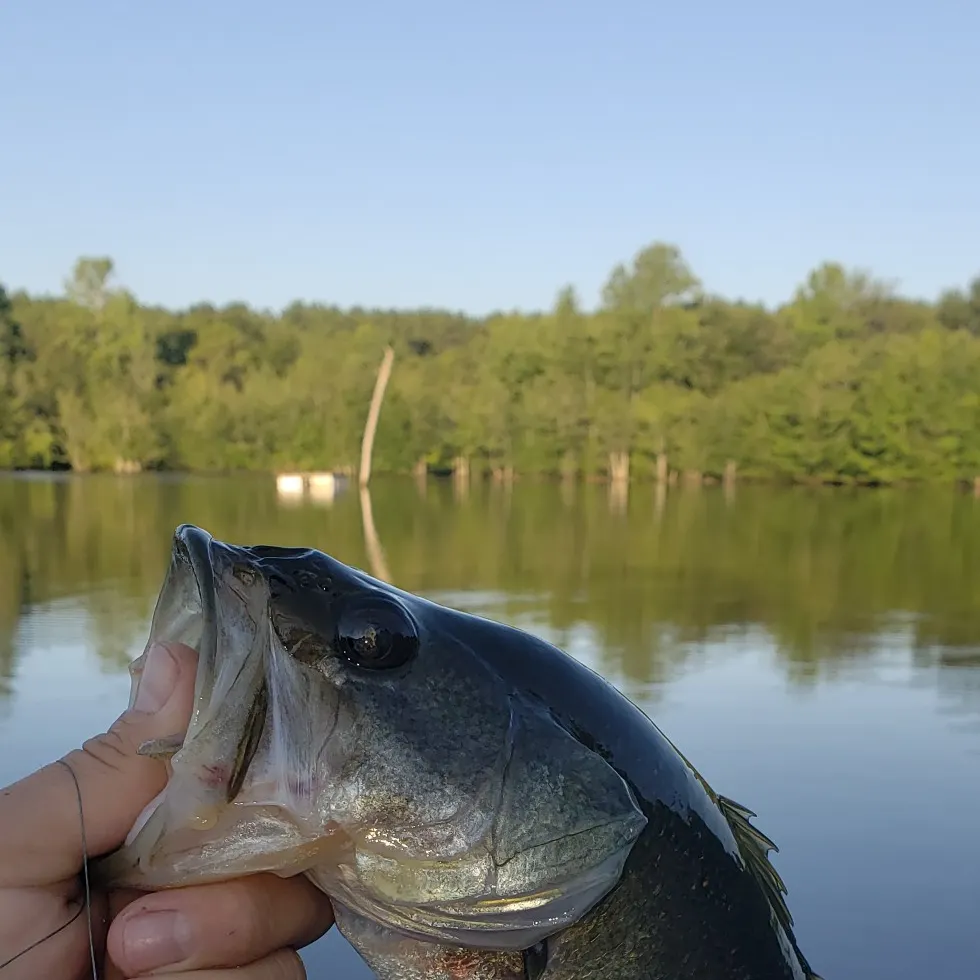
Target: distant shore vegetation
[(847, 382)]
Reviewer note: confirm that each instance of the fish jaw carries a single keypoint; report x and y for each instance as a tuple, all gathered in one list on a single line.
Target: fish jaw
[(165, 853), (206, 824)]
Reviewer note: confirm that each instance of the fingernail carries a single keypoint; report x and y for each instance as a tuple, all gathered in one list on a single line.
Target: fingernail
[(159, 679), (154, 939)]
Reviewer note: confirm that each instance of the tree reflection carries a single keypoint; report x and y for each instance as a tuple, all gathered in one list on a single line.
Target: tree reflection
[(825, 574)]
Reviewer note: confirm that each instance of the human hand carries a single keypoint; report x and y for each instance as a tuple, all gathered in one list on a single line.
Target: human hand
[(196, 933)]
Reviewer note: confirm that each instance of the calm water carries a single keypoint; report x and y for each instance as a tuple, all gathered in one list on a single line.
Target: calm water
[(816, 654)]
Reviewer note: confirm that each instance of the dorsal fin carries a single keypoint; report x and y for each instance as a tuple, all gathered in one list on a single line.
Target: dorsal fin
[(754, 847)]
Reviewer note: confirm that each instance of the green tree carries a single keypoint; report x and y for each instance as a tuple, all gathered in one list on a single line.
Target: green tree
[(657, 277), (847, 382), (89, 282), (960, 310)]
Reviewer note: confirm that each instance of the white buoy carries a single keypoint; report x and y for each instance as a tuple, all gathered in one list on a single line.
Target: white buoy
[(323, 487), (289, 484)]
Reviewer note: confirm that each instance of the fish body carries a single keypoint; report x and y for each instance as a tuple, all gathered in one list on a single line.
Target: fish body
[(477, 804)]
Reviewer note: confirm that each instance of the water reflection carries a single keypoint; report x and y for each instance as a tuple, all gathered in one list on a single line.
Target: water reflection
[(826, 576), (814, 652)]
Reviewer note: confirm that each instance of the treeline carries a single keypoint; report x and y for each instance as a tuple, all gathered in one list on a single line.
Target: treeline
[(848, 382)]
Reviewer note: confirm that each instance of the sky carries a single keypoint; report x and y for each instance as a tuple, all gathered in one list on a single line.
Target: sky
[(480, 156)]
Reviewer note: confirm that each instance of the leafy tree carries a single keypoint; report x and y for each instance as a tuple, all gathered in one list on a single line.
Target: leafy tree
[(657, 277), (89, 282), (847, 382), (959, 310)]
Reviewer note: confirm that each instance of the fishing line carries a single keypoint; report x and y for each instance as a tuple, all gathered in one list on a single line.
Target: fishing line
[(86, 905)]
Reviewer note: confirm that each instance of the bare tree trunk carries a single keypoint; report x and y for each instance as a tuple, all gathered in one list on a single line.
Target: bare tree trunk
[(371, 425), (619, 467)]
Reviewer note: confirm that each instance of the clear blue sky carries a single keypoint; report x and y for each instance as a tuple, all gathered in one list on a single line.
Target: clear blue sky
[(480, 155)]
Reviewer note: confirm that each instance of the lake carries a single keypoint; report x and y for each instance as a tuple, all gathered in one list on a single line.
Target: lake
[(816, 653)]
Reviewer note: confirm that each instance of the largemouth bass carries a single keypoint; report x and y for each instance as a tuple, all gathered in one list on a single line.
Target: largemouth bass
[(477, 804)]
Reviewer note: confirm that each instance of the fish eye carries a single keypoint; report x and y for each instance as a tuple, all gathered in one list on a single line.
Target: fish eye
[(376, 634)]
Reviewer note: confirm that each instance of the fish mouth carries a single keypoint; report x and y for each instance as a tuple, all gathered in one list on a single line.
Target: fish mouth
[(186, 612), (186, 608), (208, 603), (192, 549), (195, 554)]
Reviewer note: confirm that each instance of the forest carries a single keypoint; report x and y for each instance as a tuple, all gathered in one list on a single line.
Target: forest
[(847, 382)]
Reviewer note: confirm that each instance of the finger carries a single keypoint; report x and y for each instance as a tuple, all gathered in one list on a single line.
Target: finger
[(117, 900), (41, 840), (226, 924), (46, 934), (284, 964)]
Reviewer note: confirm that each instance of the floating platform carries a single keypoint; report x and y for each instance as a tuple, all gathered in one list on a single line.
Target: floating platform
[(322, 487)]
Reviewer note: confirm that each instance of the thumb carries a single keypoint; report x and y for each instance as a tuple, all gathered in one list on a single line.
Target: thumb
[(41, 841)]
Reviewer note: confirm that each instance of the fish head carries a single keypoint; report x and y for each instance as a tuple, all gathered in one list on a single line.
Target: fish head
[(378, 743)]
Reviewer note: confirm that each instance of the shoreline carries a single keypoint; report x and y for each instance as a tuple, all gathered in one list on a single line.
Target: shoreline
[(681, 482)]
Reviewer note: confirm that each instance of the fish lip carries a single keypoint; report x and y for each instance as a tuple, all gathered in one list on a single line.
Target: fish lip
[(192, 545), (192, 549), (209, 560)]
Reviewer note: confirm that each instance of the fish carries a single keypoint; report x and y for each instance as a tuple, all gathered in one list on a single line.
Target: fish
[(476, 803)]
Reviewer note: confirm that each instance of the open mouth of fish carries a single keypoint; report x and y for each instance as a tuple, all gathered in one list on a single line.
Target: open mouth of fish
[(234, 804)]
